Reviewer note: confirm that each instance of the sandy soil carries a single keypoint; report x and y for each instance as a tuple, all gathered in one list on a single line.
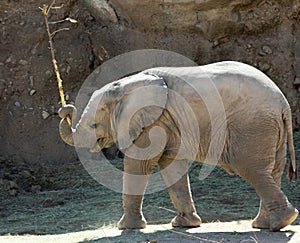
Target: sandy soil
[(237, 231)]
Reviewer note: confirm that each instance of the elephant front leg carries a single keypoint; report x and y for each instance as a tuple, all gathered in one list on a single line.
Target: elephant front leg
[(135, 179), (133, 217), (176, 178)]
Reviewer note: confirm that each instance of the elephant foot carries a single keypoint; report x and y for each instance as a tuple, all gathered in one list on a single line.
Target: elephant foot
[(186, 220), (132, 222), (261, 221), (282, 218)]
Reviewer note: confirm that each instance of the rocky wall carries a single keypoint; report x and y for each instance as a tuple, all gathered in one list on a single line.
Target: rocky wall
[(264, 34)]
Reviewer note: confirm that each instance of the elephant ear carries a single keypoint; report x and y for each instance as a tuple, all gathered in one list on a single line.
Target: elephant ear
[(143, 101)]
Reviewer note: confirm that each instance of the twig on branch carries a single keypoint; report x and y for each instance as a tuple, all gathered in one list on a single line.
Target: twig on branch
[(56, 31), (74, 21), (58, 7)]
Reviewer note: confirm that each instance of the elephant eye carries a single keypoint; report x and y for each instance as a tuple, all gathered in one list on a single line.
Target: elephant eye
[(93, 126)]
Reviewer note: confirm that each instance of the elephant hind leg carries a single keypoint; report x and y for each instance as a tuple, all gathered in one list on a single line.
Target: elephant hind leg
[(265, 180), (274, 203), (274, 220), (175, 175), (287, 214), (262, 220)]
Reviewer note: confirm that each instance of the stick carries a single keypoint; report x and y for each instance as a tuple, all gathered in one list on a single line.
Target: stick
[(46, 10)]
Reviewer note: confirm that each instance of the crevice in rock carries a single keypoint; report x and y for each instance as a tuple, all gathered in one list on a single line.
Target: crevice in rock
[(115, 11), (92, 56)]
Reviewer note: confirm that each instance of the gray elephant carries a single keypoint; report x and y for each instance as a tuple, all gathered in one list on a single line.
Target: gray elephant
[(227, 114)]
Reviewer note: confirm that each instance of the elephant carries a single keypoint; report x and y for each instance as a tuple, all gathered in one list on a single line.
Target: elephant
[(227, 114)]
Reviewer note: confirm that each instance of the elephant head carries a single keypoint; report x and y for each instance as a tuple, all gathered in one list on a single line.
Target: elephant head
[(116, 113)]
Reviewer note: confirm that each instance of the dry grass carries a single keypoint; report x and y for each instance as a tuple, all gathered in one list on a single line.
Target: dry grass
[(76, 202)]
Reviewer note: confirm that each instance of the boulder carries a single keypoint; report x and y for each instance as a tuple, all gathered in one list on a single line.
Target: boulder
[(214, 18), (101, 10)]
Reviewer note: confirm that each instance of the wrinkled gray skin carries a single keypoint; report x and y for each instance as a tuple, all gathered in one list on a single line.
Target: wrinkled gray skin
[(258, 123)]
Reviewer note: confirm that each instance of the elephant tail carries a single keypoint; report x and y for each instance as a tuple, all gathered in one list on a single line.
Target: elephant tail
[(292, 169)]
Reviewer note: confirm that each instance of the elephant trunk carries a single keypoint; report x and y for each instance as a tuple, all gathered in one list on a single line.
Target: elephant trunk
[(65, 130)]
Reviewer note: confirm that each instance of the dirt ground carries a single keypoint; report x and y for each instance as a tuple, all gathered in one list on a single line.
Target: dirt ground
[(81, 210), (76, 208), (45, 193), (207, 233)]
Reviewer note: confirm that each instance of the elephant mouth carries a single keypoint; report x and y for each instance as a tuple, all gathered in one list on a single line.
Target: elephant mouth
[(100, 144), (96, 148)]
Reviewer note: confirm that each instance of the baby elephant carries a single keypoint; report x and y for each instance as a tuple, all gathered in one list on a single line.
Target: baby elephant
[(227, 114)]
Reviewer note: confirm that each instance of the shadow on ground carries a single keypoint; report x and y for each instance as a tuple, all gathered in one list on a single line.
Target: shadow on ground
[(237, 231)]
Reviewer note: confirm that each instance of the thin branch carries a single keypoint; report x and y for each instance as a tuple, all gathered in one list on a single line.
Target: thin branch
[(191, 236), (50, 7), (58, 7), (46, 9), (56, 31), (73, 21), (166, 209), (57, 22)]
